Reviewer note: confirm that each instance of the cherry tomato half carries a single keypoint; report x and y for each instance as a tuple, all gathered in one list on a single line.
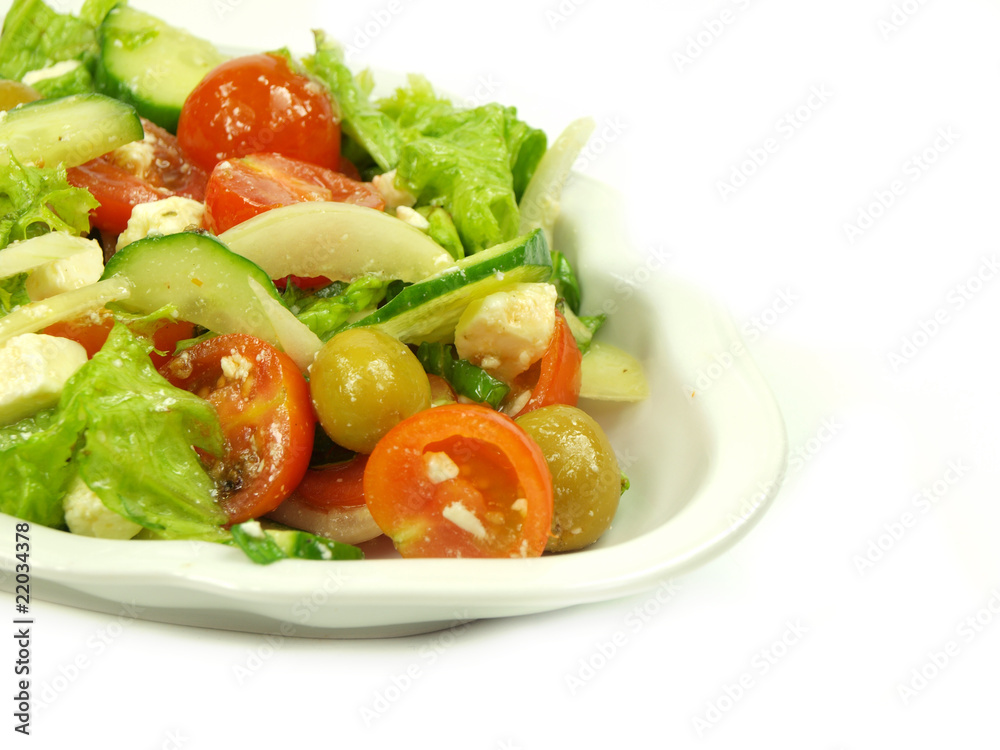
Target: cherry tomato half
[(119, 182), (239, 189), (335, 485), (460, 480), (555, 379), (266, 414), (258, 103), (91, 331)]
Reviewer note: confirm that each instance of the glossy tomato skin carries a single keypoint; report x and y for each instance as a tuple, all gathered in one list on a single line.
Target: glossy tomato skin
[(119, 182), (335, 485), (556, 378), (258, 103), (117, 192), (460, 480), (240, 188), (91, 331), (267, 419)]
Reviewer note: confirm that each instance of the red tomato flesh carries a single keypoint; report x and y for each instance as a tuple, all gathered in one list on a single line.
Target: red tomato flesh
[(460, 480), (239, 189), (119, 184), (258, 103), (334, 486), (266, 414), (555, 379), (91, 331)]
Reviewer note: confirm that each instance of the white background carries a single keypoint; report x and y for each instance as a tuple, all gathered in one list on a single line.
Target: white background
[(823, 615)]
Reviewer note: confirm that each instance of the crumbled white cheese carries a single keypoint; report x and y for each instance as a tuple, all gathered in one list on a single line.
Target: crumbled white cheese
[(168, 216), (411, 217), (34, 367), (520, 505), (506, 332), (235, 366), (87, 515), (136, 157), (393, 196), (253, 529), (465, 519), (439, 466), (66, 274)]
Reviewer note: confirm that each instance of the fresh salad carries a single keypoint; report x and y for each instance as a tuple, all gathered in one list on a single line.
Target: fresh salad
[(243, 300)]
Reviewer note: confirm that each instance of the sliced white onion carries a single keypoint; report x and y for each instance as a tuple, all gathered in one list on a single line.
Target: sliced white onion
[(295, 338), (351, 525), (539, 205), (28, 255), (38, 315), (340, 241), (608, 373)]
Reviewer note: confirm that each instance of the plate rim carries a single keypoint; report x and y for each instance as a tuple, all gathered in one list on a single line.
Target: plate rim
[(402, 593)]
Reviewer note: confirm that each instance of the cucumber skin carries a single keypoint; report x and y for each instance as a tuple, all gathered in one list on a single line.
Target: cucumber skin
[(153, 263), (119, 124), (164, 114), (424, 311)]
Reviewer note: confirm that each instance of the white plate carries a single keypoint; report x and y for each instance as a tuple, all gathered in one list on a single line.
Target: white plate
[(702, 467)]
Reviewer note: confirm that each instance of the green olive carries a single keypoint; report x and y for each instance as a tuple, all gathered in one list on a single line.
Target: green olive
[(586, 481), (13, 93), (364, 382)]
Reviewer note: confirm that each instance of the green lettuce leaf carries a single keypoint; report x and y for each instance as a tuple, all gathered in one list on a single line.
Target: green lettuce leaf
[(76, 80), (94, 11), (35, 200), (361, 120), (442, 230), (265, 546), (13, 293), (475, 163), (137, 451), (35, 466), (35, 36), (331, 308)]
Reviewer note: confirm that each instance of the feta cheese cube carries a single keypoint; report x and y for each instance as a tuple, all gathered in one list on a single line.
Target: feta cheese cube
[(87, 515), (506, 332), (393, 196), (67, 274), (168, 216), (34, 367)]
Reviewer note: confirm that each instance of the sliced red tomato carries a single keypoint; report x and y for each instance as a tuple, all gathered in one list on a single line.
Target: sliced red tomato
[(266, 415), (334, 486), (91, 331), (555, 379), (117, 192), (258, 103), (239, 189), (120, 180), (460, 480), (346, 167)]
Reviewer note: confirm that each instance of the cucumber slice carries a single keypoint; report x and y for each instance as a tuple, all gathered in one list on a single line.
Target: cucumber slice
[(70, 130), (151, 64), (430, 309), (200, 277)]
